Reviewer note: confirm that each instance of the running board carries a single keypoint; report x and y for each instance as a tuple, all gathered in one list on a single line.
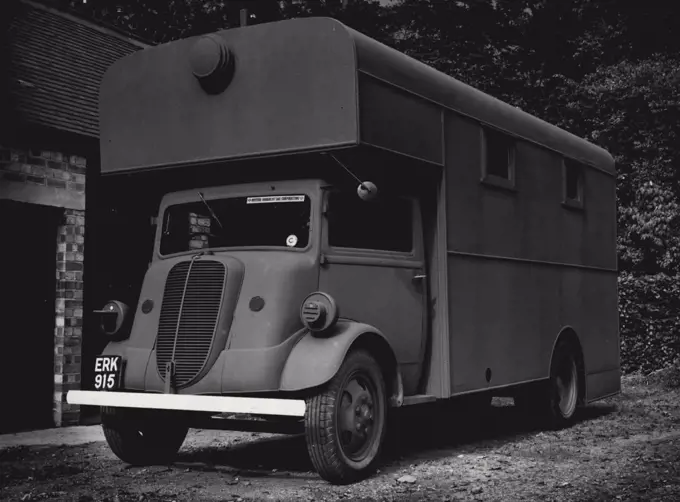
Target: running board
[(418, 399)]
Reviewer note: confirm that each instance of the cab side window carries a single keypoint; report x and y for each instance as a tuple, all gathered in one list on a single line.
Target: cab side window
[(383, 224)]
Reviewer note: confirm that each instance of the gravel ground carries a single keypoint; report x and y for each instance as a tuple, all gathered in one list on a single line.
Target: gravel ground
[(624, 448)]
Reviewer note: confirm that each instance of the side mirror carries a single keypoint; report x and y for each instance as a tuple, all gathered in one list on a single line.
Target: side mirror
[(367, 191)]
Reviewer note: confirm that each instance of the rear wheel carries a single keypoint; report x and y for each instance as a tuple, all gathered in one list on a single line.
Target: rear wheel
[(564, 385), (345, 421), (557, 401), (140, 438)]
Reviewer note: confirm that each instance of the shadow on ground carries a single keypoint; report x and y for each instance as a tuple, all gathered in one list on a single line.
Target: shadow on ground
[(281, 453), (433, 433), (423, 432)]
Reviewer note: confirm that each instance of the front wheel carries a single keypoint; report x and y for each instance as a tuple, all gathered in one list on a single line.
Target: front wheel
[(139, 439), (345, 421)]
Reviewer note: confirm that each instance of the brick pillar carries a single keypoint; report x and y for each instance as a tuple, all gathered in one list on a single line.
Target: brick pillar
[(69, 315)]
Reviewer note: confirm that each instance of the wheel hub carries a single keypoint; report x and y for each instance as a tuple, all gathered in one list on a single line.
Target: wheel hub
[(356, 417), (363, 415), (566, 387)]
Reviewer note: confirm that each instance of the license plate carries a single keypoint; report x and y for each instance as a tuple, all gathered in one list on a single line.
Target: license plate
[(107, 372)]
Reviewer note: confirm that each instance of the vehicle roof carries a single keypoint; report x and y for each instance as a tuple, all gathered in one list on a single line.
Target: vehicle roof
[(295, 89)]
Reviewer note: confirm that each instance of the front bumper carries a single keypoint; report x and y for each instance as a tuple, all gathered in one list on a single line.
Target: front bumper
[(183, 402)]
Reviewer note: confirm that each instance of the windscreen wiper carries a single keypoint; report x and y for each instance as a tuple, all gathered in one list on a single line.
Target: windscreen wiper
[(212, 213)]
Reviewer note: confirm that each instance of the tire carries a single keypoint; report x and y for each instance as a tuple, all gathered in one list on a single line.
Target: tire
[(344, 445), (555, 403), (142, 438), (563, 398)]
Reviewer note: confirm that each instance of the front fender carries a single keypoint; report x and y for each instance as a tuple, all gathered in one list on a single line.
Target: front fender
[(316, 359)]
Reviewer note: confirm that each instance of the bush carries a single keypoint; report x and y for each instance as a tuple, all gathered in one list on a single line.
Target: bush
[(668, 377), (649, 310)]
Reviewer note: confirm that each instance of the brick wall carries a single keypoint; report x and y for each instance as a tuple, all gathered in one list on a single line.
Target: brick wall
[(68, 332), (52, 169), (66, 173)]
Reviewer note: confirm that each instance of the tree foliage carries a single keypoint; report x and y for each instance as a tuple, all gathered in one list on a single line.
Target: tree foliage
[(649, 309), (161, 21)]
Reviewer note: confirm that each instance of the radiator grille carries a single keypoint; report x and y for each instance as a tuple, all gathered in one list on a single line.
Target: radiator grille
[(188, 319)]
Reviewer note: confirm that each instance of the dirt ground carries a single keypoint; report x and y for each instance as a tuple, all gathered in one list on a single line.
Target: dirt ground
[(624, 448)]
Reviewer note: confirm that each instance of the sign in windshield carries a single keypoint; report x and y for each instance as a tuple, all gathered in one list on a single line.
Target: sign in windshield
[(259, 221)]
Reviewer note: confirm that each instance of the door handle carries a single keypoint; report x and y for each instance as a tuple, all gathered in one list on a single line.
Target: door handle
[(419, 277)]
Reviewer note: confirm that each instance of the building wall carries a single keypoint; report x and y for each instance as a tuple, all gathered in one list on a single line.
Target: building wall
[(57, 179)]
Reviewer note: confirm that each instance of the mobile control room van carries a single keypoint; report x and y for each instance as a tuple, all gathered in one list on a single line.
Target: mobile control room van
[(341, 230)]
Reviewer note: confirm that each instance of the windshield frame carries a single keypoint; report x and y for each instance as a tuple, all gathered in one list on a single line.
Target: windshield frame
[(313, 193)]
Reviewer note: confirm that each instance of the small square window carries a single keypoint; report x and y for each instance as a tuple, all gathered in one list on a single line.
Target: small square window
[(498, 159), (573, 182)]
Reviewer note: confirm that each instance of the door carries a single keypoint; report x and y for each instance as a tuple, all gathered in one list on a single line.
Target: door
[(28, 264), (373, 267)]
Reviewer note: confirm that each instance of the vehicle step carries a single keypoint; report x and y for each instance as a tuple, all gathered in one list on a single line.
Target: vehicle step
[(418, 399)]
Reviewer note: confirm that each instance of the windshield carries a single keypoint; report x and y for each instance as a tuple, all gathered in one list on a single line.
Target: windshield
[(279, 221)]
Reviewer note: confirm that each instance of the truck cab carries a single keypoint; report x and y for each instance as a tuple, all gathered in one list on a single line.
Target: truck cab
[(232, 287), (262, 292)]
